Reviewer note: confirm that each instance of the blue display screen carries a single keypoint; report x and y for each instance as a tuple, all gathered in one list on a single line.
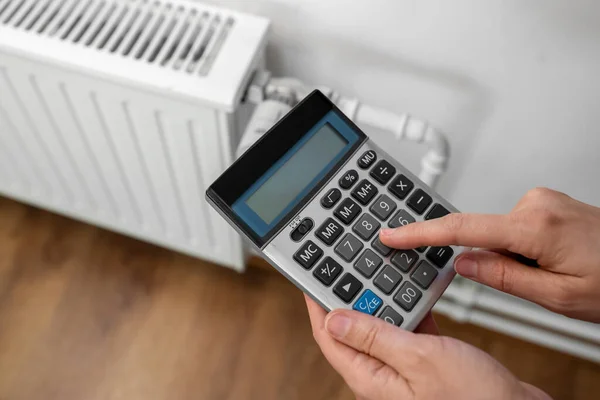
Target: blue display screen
[(295, 174)]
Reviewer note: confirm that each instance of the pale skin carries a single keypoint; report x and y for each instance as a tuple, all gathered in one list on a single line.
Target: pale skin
[(380, 361)]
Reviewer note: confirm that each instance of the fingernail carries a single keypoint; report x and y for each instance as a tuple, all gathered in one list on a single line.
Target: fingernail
[(386, 232), (466, 267), (338, 325)]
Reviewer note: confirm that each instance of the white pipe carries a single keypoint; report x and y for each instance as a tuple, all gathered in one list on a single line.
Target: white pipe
[(404, 126)]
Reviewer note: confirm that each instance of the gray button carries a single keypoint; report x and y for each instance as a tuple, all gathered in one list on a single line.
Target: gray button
[(404, 259), (380, 247), (366, 226), (368, 263), (424, 274), (407, 296), (401, 218), (387, 279), (390, 315), (383, 207), (349, 247)]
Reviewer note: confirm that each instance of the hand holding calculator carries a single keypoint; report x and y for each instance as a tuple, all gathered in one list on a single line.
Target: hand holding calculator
[(312, 194)]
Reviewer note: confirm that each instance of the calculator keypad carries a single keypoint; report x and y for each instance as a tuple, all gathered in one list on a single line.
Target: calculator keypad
[(347, 211), (383, 207), (349, 247), (353, 263), (366, 227), (368, 263), (329, 231), (347, 287), (364, 192)]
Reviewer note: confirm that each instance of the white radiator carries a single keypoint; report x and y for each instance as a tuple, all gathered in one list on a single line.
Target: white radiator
[(121, 112)]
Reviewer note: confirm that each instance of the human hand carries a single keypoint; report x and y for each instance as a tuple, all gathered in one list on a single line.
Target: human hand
[(559, 232), (381, 361)]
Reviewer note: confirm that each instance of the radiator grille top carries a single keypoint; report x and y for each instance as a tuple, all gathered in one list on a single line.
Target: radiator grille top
[(177, 37)]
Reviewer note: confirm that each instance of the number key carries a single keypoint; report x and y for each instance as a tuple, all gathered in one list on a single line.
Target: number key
[(383, 207), (408, 296), (366, 226), (390, 315), (349, 247), (388, 279), (401, 218), (404, 259), (368, 263)]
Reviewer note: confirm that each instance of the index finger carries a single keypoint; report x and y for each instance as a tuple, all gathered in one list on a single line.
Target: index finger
[(468, 230)]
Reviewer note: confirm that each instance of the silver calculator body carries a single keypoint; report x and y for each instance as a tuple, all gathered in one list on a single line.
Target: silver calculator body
[(312, 194)]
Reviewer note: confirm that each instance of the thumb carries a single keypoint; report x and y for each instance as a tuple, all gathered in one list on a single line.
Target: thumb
[(510, 276), (368, 334)]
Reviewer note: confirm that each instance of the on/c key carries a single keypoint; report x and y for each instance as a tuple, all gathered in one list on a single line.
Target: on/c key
[(368, 303)]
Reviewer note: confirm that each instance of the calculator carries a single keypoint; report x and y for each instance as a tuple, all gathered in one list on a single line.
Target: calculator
[(311, 196)]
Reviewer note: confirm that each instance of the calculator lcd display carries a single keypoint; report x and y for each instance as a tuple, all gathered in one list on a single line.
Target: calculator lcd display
[(296, 173)]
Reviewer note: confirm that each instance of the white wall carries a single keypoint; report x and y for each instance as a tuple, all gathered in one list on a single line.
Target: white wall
[(515, 83)]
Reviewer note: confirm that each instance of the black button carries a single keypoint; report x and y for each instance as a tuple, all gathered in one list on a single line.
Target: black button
[(347, 211), (437, 211), (380, 247), (327, 271), (401, 186), (332, 197), (308, 254), (404, 259), (408, 296), (368, 263), (402, 218), (388, 279), (364, 192), (419, 201), (302, 229), (347, 288), (368, 158), (329, 231), (383, 207), (421, 249), (424, 274), (390, 315), (383, 172), (349, 179), (440, 255)]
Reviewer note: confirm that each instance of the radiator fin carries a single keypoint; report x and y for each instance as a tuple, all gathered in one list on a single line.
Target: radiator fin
[(184, 38)]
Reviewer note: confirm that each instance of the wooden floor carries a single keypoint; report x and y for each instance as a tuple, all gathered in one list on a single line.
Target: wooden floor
[(89, 314)]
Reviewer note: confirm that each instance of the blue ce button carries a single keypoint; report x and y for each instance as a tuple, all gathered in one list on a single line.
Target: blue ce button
[(368, 303)]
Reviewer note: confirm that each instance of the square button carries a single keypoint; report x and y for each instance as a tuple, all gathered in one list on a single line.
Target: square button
[(364, 192), (366, 226), (383, 207), (383, 171), (327, 271), (404, 259), (308, 254), (401, 186), (440, 255), (380, 247), (424, 274), (437, 211), (390, 315), (401, 218), (388, 279), (368, 263), (329, 231), (408, 296), (419, 201), (347, 287), (349, 247), (368, 303), (347, 211)]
